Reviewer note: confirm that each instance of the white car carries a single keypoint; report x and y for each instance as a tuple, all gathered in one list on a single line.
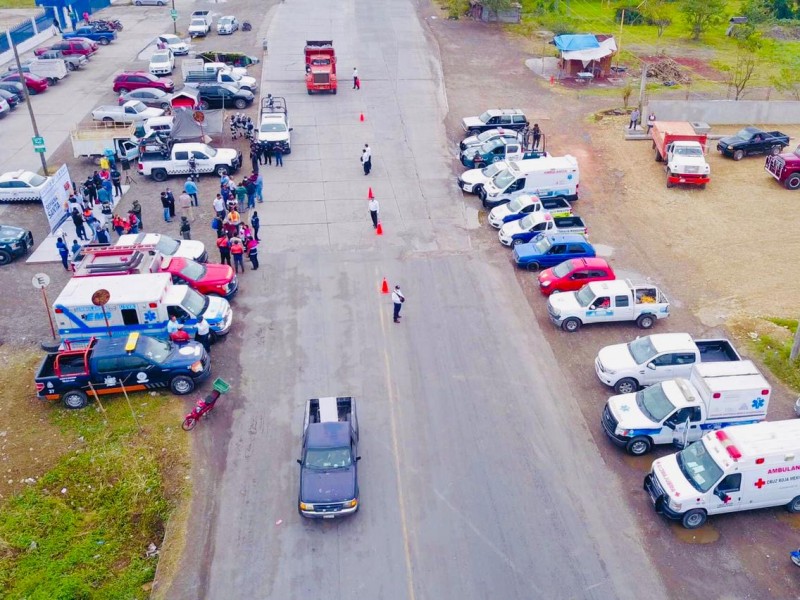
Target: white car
[(472, 181), (174, 43), (162, 62), (227, 25), (22, 186)]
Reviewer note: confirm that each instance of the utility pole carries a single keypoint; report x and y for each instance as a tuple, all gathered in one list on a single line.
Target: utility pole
[(619, 42), (174, 20), (28, 103), (642, 86)]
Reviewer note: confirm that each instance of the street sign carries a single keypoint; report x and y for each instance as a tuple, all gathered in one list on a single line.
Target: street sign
[(40, 281), (174, 14), (38, 140), (40, 149)]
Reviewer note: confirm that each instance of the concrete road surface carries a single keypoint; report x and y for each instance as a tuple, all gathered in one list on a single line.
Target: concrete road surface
[(479, 478)]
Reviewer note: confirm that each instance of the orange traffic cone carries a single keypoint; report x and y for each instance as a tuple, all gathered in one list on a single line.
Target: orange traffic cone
[(361, 118), (379, 229), (384, 287), (370, 195)]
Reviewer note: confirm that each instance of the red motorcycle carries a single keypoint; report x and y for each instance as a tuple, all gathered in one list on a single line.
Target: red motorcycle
[(205, 405)]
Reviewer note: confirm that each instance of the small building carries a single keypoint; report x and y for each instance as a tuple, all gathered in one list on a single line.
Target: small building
[(186, 98), (585, 53), (510, 15)]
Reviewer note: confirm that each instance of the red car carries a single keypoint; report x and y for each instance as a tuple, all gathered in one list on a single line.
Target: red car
[(134, 80), (209, 278), (35, 85), (74, 46), (571, 275)]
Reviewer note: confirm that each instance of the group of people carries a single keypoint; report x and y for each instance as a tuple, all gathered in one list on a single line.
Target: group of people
[(242, 126), (262, 153), (235, 238)]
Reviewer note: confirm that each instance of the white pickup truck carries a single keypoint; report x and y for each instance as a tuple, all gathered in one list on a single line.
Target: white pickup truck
[(200, 26), (132, 111), (654, 358), (95, 141), (608, 301), (174, 160)]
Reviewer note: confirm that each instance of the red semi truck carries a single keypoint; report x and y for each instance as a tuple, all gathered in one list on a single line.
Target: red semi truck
[(683, 149), (320, 66)]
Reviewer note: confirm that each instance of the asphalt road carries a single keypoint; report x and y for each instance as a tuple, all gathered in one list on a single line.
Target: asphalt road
[(478, 476)]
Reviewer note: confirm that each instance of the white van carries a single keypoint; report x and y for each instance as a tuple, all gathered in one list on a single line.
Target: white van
[(142, 303), (680, 411), (545, 177), (732, 469)]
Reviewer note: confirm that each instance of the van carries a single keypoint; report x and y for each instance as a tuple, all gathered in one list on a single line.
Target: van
[(545, 177), (142, 303), (737, 468)]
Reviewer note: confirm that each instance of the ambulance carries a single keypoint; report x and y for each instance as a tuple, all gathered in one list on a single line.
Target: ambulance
[(737, 468), (135, 303)]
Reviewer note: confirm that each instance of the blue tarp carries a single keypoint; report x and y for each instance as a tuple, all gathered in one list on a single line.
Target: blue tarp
[(571, 43)]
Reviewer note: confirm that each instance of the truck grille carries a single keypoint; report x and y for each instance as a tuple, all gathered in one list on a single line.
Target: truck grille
[(775, 165), (609, 422), (321, 78), (693, 169), (335, 507)]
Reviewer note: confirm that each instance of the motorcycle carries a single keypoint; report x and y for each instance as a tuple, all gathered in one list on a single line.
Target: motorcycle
[(246, 26), (101, 25), (205, 405)]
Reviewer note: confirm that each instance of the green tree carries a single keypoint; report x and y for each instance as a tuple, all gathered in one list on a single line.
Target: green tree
[(757, 11), (788, 80), (497, 5), (657, 12), (702, 14)]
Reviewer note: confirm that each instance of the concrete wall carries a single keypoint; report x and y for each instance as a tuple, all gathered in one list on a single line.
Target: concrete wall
[(22, 47), (726, 112)]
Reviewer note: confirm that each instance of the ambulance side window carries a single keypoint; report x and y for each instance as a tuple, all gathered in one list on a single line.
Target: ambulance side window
[(179, 313), (731, 483), (129, 316)]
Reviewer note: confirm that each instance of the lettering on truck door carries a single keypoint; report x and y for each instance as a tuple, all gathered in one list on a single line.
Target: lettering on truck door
[(727, 495), (513, 152), (599, 310)]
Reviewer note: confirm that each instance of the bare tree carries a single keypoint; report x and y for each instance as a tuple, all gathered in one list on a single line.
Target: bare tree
[(739, 75)]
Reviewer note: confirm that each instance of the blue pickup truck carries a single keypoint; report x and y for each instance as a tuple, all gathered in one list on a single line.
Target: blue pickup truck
[(107, 365), (104, 38)]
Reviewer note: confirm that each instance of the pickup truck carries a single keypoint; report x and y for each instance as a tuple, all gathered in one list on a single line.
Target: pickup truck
[(525, 229), (53, 70), (752, 140), (683, 149), (106, 365), (73, 62), (174, 160), (475, 141), (133, 111), (785, 168), (524, 204), (199, 26), (93, 142), (194, 79), (606, 302), (496, 150), (654, 358), (274, 126), (14, 242), (329, 465), (104, 38)]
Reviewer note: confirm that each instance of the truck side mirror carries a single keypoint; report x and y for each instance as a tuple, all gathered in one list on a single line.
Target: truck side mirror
[(358, 458), (651, 366), (291, 128), (299, 462)]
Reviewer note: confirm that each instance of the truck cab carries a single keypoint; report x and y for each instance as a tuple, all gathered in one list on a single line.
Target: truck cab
[(545, 177), (495, 150), (176, 162), (329, 462), (529, 226), (525, 204), (686, 163), (320, 66)]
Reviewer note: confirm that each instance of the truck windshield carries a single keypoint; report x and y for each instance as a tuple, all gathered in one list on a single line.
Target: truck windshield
[(153, 349), (193, 271), (743, 134), (193, 303), (485, 117), (688, 151), (167, 246), (198, 23), (503, 179), (562, 269), (328, 458), (585, 296), (642, 350), (273, 127), (653, 402), (698, 467), (492, 170)]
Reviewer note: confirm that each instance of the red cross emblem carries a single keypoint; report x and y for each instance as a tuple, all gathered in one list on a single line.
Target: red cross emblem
[(760, 483)]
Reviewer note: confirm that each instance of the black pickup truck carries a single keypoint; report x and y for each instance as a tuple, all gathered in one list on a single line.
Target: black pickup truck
[(329, 466), (105, 365), (14, 242), (752, 140)]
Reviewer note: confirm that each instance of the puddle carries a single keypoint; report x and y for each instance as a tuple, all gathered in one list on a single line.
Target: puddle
[(792, 520), (642, 464), (703, 535), (603, 250), (475, 218)]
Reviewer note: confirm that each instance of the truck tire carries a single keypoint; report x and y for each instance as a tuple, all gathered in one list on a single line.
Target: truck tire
[(74, 399), (240, 104), (658, 155), (477, 189), (123, 90), (159, 174), (793, 181), (51, 81), (71, 66), (738, 154), (669, 183), (221, 169), (694, 518), (309, 92), (516, 242), (108, 120), (646, 321), (181, 385), (138, 3), (533, 266), (203, 105), (571, 325), (626, 385), (639, 446), (103, 41), (5, 257), (165, 105), (473, 132), (775, 150), (794, 505)]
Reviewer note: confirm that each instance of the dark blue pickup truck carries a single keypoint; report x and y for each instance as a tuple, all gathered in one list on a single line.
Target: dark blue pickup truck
[(751, 140), (102, 37), (106, 365), (329, 466)]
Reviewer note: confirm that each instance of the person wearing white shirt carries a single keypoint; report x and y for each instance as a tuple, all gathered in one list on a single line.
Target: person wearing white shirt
[(366, 159), (355, 78), (203, 334), (373, 212), (397, 299)]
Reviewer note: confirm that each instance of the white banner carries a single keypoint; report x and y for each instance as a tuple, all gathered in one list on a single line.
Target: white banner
[(55, 198)]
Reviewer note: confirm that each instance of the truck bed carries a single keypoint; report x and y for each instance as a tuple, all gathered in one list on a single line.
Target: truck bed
[(717, 351), (344, 407)]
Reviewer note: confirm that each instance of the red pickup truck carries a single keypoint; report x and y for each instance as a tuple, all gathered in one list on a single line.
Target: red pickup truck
[(785, 168)]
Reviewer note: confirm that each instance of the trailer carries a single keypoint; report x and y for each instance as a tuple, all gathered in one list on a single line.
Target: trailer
[(99, 138)]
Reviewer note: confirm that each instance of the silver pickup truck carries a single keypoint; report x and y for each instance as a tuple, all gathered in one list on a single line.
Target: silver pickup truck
[(132, 111), (73, 62)]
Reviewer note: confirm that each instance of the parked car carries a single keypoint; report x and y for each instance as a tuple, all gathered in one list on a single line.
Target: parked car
[(752, 140), (162, 62), (133, 80), (473, 180), (488, 135), (223, 96), (35, 85), (14, 242), (174, 43), (151, 97), (104, 38), (5, 108), (69, 48), (550, 250), (13, 87), (227, 25), (22, 186), (12, 99), (149, 2), (571, 275), (509, 118)]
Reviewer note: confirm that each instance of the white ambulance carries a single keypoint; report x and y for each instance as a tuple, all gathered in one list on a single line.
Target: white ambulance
[(732, 469), (680, 411), (545, 177)]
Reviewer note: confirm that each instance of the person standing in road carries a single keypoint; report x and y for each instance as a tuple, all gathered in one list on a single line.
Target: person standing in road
[(237, 251), (259, 187), (373, 212), (190, 187), (255, 153), (203, 333), (219, 206), (355, 79), (255, 223), (397, 299), (186, 228), (241, 195), (279, 154), (251, 192), (75, 250), (651, 120), (77, 220), (634, 119), (366, 159), (171, 200), (185, 203), (224, 246), (165, 206), (537, 136), (63, 252), (116, 181), (252, 252)]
